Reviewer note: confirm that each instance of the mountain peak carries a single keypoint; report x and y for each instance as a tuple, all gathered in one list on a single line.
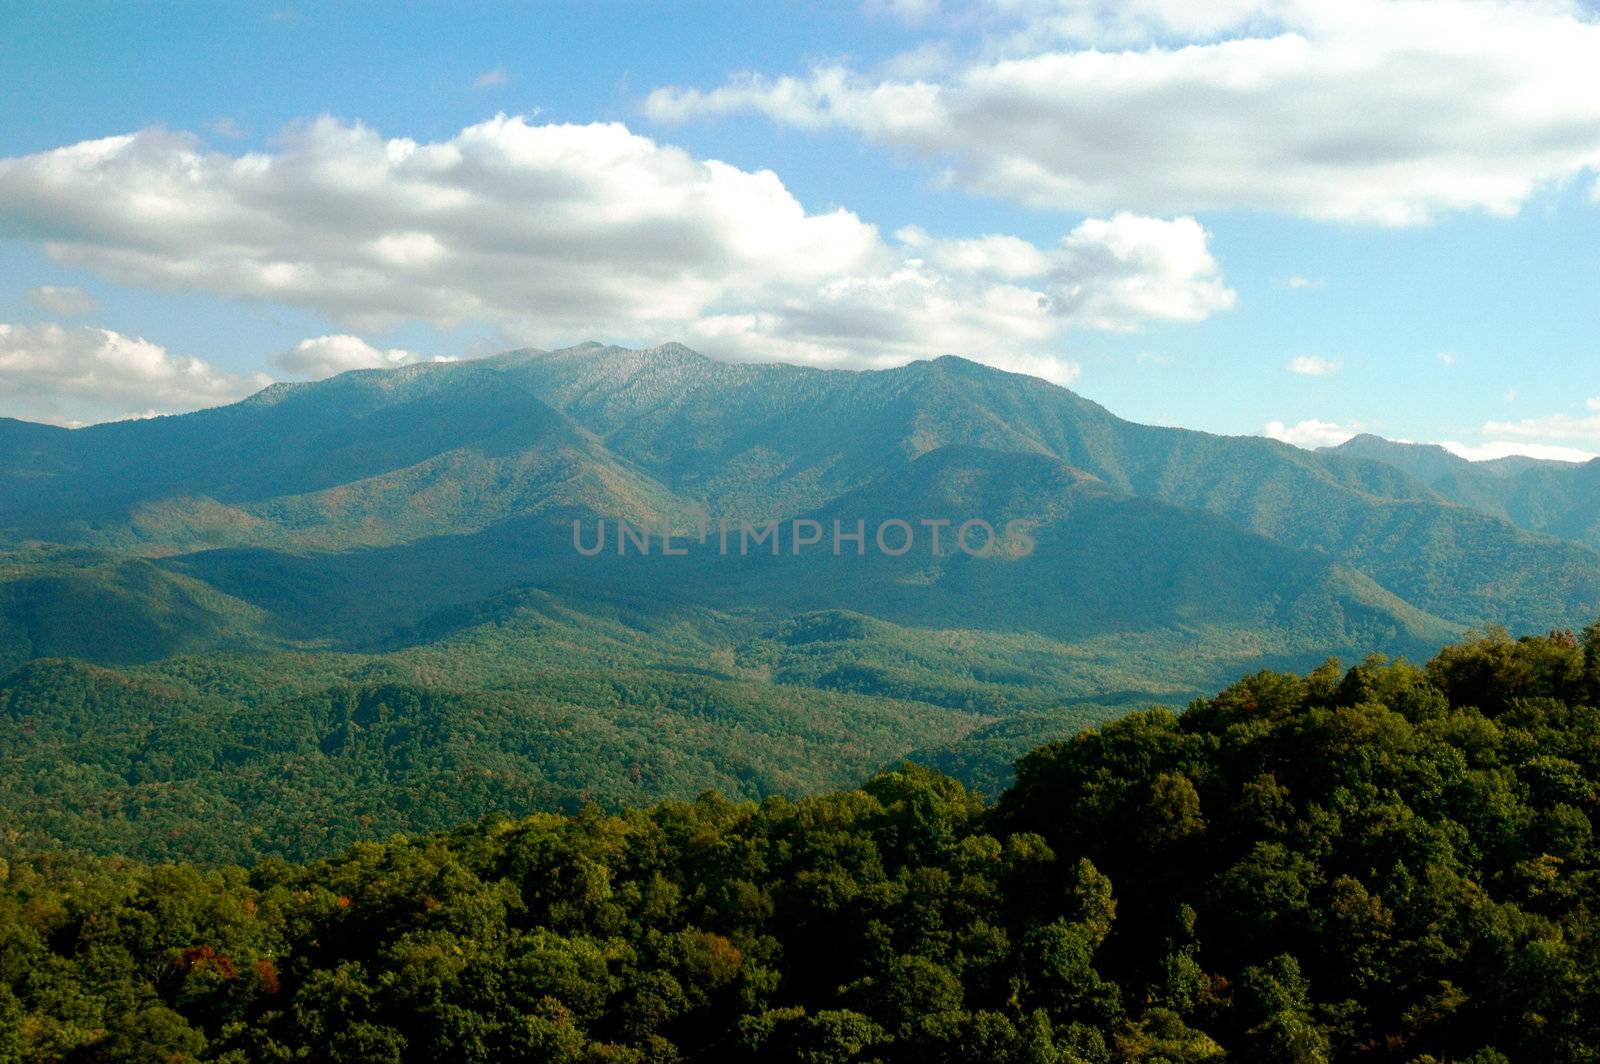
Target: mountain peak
[(955, 364), (673, 349), (1369, 444), (593, 350)]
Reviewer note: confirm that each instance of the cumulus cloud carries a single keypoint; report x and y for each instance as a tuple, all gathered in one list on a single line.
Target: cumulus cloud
[(324, 356), (1108, 273), (70, 374), (1312, 366), (998, 299), (1531, 436), (1447, 358), (1116, 272), (1309, 434), (67, 301), (1378, 111), (551, 231), (1551, 426)]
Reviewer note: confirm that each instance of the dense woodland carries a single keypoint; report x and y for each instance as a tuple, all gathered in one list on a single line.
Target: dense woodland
[(219, 759), (1389, 863)]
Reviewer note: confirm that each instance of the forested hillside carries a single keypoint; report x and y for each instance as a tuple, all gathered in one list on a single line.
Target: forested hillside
[(159, 764), (1388, 863), (1550, 497)]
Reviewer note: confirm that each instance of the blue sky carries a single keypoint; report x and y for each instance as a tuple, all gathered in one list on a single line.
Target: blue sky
[(1447, 247)]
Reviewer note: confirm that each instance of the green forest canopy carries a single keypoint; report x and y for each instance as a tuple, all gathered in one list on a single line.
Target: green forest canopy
[(1391, 863)]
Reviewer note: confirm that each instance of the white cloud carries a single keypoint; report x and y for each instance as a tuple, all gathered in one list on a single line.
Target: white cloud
[(1504, 449), (1512, 395), (1551, 426), (324, 356), (491, 78), (966, 297), (68, 374), (553, 231), (1305, 284), (1447, 358), (1531, 436), (1119, 271), (226, 127), (1055, 370), (1309, 434), (1380, 111), (1312, 366), (1006, 256), (66, 301)]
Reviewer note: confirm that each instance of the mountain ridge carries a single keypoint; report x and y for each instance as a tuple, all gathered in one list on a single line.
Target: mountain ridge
[(350, 511), (1548, 497)]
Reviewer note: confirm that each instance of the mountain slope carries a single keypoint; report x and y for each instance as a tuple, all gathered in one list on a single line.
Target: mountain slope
[(166, 763), (114, 609), (1104, 565), (1102, 561), (367, 457), (1560, 499)]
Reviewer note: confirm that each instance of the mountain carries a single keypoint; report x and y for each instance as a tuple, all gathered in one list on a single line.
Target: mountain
[(1560, 499), (386, 457), (352, 511), (401, 544)]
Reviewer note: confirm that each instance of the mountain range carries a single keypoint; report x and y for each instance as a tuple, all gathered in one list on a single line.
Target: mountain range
[(404, 538)]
